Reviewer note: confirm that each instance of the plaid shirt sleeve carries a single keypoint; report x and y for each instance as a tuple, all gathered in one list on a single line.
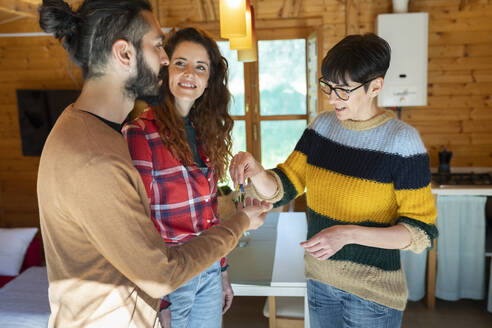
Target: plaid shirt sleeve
[(140, 152)]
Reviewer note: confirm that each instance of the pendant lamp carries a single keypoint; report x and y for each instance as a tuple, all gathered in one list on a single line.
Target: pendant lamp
[(247, 41), (251, 54), (232, 18)]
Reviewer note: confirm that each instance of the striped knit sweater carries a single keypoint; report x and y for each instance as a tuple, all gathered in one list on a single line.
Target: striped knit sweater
[(373, 173)]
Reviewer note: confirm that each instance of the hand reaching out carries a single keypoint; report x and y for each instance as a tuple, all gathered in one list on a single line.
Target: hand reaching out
[(243, 166), (256, 211)]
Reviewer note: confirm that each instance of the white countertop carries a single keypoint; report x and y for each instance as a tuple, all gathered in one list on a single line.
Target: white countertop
[(462, 190)]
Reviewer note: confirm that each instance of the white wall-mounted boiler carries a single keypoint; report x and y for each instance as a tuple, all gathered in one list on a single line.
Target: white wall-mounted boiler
[(405, 83)]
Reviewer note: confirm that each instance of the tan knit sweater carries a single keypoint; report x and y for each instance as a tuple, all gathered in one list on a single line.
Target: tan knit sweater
[(107, 265)]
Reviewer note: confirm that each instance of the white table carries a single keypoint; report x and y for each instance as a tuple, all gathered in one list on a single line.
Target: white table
[(272, 261)]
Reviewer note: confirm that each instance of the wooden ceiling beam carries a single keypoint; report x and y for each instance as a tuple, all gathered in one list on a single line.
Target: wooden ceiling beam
[(25, 8), (206, 10), (290, 9), (293, 23), (297, 8), (201, 10), (210, 9), (286, 9), (156, 10), (352, 10)]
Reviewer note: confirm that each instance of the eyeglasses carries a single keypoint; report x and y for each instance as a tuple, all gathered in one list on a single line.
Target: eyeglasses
[(343, 94)]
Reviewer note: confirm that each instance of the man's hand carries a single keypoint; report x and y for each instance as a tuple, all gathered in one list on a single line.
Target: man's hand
[(255, 211), (227, 293)]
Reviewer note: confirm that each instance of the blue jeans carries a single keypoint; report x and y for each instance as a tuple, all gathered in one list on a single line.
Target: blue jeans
[(330, 307), (198, 303)]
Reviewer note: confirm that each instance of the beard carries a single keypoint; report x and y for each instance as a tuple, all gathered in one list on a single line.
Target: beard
[(145, 85)]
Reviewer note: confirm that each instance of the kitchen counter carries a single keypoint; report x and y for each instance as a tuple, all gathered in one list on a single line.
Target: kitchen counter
[(464, 190), (451, 190)]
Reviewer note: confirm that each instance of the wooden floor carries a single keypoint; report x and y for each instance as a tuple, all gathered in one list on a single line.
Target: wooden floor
[(247, 312)]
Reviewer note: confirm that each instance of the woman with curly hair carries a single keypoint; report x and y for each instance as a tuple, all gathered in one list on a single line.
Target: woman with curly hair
[(181, 150)]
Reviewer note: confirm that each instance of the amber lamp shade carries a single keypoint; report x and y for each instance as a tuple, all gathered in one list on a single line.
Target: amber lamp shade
[(232, 18), (247, 41)]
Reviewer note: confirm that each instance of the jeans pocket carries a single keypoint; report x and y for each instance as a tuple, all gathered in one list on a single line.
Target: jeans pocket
[(378, 309)]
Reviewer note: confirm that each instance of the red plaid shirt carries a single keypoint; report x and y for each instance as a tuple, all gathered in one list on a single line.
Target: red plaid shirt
[(183, 201)]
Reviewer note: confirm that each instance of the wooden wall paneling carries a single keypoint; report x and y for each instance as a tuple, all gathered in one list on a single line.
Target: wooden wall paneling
[(19, 7), (156, 9), (436, 114), (459, 37), (21, 25), (477, 10), (453, 51), (474, 88), (479, 23), (458, 114), (481, 138), (290, 8), (352, 17), (430, 127), (483, 126), (15, 166), (447, 139), (460, 63), (481, 114), (6, 17), (452, 100), (479, 49), (445, 76), (311, 22), (284, 33), (482, 75)]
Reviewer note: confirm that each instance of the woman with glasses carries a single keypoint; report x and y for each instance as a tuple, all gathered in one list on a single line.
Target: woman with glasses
[(367, 180)]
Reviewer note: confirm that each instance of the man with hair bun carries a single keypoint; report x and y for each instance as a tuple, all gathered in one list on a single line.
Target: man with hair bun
[(107, 265)]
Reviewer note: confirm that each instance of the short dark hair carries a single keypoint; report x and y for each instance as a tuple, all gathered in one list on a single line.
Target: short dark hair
[(357, 57), (89, 33)]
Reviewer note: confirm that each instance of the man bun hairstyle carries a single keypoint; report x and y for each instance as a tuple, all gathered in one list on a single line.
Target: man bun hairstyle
[(57, 17), (359, 58), (88, 34)]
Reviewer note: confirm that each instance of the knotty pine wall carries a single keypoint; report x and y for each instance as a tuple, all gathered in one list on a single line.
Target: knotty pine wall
[(458, 115)]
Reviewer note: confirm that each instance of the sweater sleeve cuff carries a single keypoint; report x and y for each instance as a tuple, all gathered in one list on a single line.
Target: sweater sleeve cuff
[(279, 193), (420, 241)]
